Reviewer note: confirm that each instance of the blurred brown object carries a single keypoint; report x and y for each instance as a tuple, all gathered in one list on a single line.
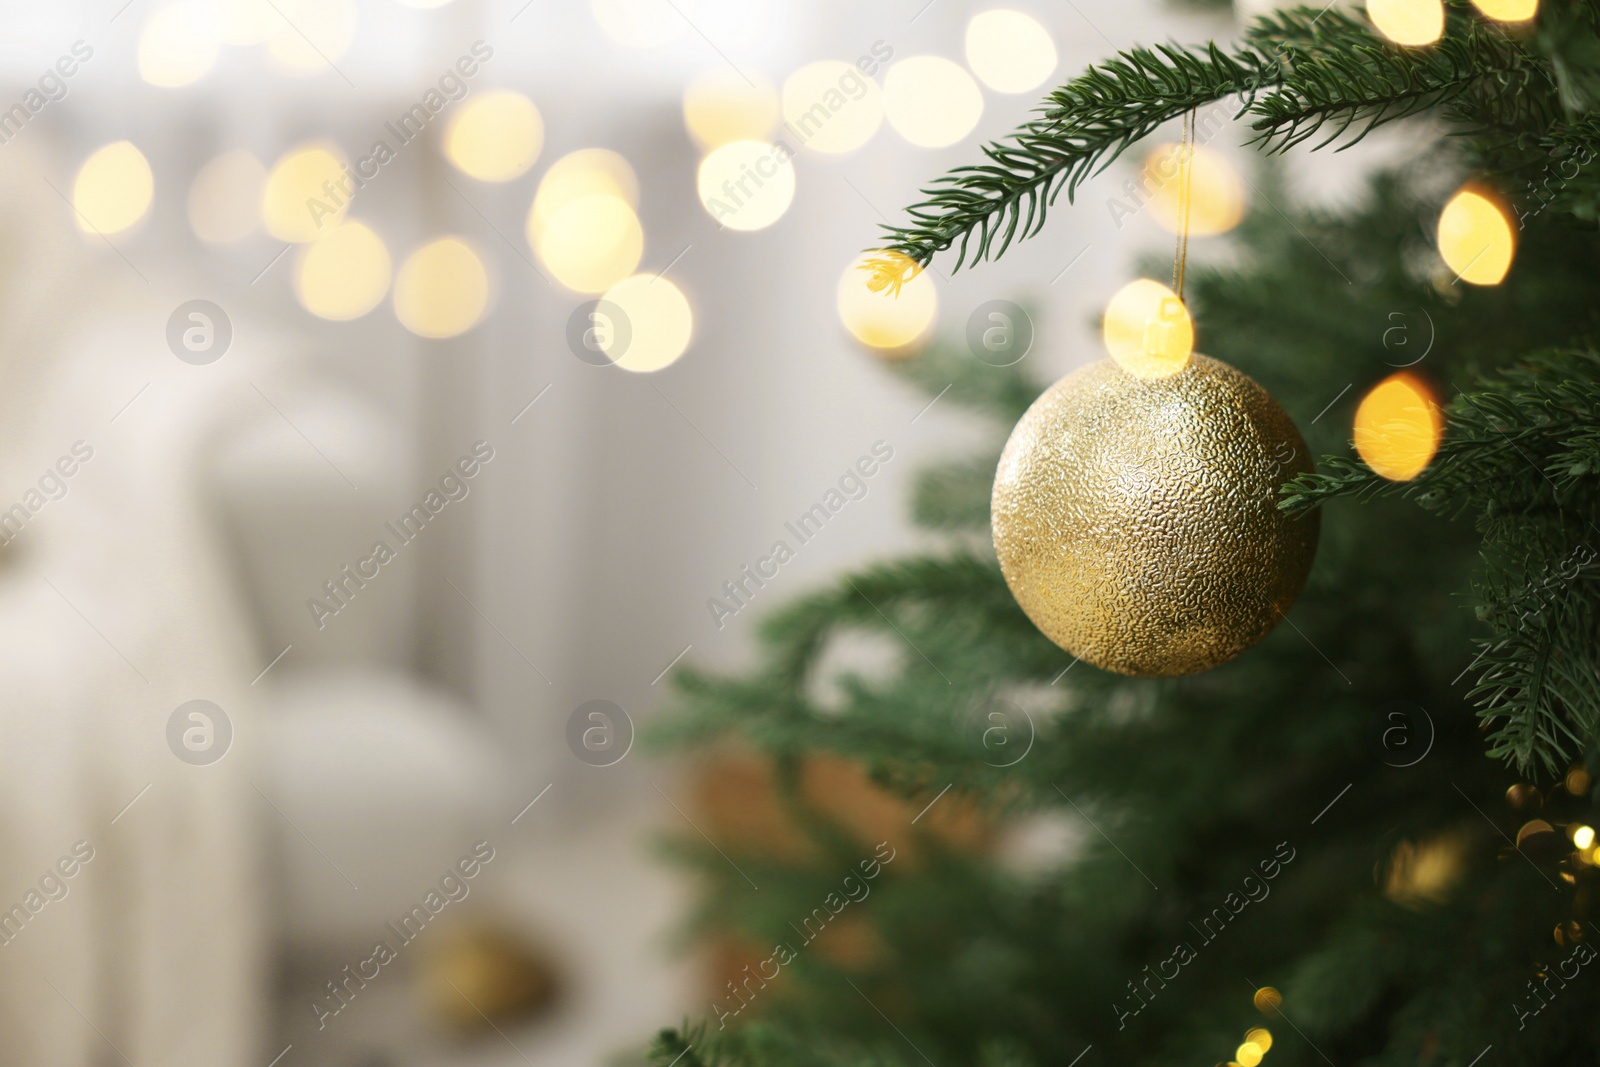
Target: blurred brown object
[(738, 793), (480, 975)]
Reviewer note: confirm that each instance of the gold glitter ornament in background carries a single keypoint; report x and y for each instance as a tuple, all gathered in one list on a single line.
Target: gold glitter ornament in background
[(1137, 522)]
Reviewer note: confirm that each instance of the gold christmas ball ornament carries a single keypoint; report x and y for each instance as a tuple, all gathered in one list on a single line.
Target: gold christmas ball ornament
[(1136, 519)]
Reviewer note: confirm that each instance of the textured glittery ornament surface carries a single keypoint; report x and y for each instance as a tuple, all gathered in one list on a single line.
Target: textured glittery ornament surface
[(1137, 522)]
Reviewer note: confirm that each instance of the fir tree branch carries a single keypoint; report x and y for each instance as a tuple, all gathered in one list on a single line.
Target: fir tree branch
[(1521, 452), (1295, 74), (676, 1046), (1087, 123)]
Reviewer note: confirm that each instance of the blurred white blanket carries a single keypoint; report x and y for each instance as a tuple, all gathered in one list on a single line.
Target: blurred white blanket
[(115, 607)]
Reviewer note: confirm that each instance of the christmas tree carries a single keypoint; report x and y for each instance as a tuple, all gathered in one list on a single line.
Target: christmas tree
[(1364, 840)]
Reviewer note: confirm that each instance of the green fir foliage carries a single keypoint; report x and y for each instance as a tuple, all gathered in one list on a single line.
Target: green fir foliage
[(1327, 814)]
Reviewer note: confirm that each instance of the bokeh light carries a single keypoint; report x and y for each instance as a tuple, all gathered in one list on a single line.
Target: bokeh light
[(1248, 1054), (1216, 192), (660, 323), (248, 22), (344, 273), (1398, 427), (586, 172), (1408, 22), (1261, 1037), (1147, 330), (1533, 828), (591, 243), (1508, 10), (1267, 999), (495, 136), (639, 23), (747, 185), (832, 107), (113, 189), (931, 101), (313, 34), (1424, 872), (894, 324), (1476, 238), (225, 199), (178, 44), (302, 197), (1010, 52), (720, 106), (442, 289), (1583, 836)]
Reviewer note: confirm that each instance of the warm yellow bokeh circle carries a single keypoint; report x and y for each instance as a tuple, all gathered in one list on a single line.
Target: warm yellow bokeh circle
[(660, 323), (586, 172), (1009, 51), (1398, 427), (442, 289), (113, 189), (1215, 191), (591, 243), (1476, 237), (931, 101), (1408, 22), (1508, 10), (746, 185), (179, 44), (893, 323), (343, 274), (1147, 330), (304, 194), (495, 136)]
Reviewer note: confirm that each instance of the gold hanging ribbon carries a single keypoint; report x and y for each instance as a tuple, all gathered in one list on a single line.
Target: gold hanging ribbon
[(1180, 258)]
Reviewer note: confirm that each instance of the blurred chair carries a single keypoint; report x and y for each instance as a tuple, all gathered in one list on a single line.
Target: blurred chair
[(378, 782)]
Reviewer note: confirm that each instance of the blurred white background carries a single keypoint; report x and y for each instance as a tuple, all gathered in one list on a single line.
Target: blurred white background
[(360, 756)]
